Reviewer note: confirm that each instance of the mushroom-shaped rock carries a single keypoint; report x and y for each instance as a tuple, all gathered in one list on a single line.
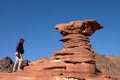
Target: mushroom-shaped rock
[(86, 27)]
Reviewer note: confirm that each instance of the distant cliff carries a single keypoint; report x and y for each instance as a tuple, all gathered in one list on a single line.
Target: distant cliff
[(108, 64)]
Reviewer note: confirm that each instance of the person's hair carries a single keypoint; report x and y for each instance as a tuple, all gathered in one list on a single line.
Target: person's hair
[(21, 40)]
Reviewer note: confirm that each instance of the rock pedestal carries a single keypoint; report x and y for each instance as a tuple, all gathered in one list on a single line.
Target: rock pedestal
[(77, 54), (76, 60)]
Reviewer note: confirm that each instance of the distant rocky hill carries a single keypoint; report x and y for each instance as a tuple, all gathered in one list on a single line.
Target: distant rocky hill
[(108, 64)]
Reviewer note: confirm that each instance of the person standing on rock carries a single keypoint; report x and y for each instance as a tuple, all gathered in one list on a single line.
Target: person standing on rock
[(18, 55)]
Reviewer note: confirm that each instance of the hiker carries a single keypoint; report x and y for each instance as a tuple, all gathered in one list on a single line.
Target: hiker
[(18, 55)]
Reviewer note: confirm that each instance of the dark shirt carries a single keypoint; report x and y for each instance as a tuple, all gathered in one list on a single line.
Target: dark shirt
[(20, 48)]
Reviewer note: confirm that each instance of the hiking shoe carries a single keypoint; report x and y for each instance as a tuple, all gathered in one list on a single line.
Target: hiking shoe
[(19, 70)]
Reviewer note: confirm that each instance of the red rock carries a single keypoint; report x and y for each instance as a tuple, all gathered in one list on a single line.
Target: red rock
[(86, 27), (81, 68)]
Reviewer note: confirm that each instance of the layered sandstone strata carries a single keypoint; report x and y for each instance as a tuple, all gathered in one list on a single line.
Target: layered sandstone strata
[(77, 58), (77, 54)]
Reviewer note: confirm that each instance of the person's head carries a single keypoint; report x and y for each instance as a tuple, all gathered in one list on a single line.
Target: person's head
[(21, 40)]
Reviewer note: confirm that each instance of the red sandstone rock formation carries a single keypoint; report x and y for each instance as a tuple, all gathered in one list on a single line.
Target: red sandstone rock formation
[(75, 61), (86, 27)]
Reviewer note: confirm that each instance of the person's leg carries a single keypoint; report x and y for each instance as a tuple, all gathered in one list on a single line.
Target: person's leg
[(15, 64), (20, 62)]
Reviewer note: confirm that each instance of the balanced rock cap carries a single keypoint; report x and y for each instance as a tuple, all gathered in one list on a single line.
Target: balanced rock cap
[(86, 27)]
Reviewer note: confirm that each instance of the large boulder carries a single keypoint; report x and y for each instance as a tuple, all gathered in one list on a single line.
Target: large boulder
[(6, 64)]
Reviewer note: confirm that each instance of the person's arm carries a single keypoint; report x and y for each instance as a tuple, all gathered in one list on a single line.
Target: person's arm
[(17, 49), (17, 54)]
